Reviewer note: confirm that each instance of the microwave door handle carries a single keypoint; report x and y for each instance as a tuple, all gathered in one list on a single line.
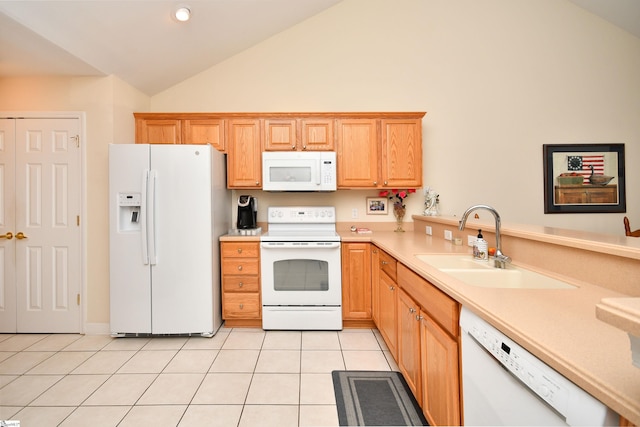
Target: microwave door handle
[(318, 171)]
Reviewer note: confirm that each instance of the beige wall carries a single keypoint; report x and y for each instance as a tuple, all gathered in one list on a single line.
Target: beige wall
[(498, 78), (108, 104)]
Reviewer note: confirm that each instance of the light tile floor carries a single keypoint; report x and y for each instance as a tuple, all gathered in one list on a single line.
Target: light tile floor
[(240, 377)]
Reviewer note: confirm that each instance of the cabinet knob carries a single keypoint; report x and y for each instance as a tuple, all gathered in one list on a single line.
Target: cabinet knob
[(257, 183), (386, 183), (412, 310), (304, 147), (240, 284), (240, 268), (418, 317), (384, 262), (391, 288), (239, 250), (293, 147), (241, 306), (375, 182)]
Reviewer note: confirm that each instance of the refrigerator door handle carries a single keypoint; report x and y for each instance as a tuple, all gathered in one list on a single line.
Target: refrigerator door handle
[(151, 217), (143, 218)]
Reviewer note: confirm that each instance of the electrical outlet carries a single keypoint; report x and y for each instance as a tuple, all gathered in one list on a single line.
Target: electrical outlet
[(448, 235), (470, 239), (354, 213), (428, 230)]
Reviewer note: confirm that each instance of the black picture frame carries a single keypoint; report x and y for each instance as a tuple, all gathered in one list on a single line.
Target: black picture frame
[(566, 194)]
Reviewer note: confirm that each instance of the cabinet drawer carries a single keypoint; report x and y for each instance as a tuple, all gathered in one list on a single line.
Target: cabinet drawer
[(241, 306), (240, 283), (442, 308), (241, 266), (388, 264), (240, 249)]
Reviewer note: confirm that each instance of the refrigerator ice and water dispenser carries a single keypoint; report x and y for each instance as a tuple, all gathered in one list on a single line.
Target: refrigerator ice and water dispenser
[(129, 211)]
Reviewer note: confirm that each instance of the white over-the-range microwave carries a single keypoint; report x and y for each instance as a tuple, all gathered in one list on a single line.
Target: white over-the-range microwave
[(299, 171)]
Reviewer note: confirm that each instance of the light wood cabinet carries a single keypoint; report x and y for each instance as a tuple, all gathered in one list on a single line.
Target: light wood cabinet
[(387, 301), (356, 283), (380, 153), (280, 135), (244, 154), (169, 128), (439, 357), (401, 159), (409, 319), (438, 373), (205, 131), (158, 131), (241, 282), (357, 157)]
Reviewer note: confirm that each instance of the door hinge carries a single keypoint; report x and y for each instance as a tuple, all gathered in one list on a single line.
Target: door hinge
[(78, 299), (78, 220)]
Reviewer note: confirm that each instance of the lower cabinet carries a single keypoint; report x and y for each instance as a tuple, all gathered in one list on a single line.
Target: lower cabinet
[(356, 284), (440, 374), (409, 349), (241, 283), (428, 350), (387, 309)]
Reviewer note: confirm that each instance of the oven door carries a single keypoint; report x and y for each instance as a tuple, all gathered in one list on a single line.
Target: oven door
[(301, 274)]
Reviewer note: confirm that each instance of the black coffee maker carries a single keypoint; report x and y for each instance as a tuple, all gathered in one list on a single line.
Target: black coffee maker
[(247, 212)]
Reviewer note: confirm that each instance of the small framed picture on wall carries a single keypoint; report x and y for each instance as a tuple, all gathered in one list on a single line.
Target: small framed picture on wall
[(377, 206)]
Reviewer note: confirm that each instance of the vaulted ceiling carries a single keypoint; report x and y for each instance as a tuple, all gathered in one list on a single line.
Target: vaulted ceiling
[(140, 42)]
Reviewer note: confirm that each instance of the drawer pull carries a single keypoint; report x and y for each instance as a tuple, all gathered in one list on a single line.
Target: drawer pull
[(239, 250), (240, 284), (240, 268), (241, 306)]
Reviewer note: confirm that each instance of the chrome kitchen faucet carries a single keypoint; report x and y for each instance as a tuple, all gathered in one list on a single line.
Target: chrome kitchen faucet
[(501, 260)]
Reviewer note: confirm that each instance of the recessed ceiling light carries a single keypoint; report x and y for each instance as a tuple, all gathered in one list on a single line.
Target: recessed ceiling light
[(183, 13)]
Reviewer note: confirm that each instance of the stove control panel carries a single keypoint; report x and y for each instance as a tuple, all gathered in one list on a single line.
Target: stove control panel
[(301, 214)]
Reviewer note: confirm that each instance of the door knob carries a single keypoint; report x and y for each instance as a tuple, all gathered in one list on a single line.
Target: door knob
[(20, 236), (7, 236)]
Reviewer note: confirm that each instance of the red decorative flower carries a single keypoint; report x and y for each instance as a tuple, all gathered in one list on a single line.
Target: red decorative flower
[(400, 195)]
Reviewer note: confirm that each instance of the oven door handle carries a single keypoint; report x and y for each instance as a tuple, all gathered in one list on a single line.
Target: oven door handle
[(273, 245)]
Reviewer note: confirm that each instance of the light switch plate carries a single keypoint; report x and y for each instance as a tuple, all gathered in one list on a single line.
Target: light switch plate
[(428, 230)]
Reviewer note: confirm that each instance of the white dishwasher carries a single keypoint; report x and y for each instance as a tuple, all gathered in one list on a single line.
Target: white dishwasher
[(503, 384)]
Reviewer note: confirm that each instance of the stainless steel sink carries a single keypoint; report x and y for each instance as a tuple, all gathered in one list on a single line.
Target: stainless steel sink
[(483, 274)]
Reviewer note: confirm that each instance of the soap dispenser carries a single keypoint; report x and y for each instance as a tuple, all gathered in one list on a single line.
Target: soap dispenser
[(480, 251)]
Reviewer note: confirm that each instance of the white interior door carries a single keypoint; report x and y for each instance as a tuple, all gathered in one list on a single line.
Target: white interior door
[(7, 227), (47, 233)]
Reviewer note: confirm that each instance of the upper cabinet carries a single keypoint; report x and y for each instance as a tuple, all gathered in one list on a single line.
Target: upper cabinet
[(158, 131), (244, 155), (170, 128), (380, 153), (306, 134), (374, 150), (401, 160)]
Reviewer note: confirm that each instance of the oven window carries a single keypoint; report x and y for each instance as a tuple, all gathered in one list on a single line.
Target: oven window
[(290, 174), (301, 275)]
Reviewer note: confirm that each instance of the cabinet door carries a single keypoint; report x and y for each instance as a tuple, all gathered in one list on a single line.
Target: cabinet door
[(356, 281), (317, 134), (401, 153), (440, 374), (358, 153), (205, 131), (375, 279), (388, 319), (244, 154), (409, 342), (158, 131), (280, 135)]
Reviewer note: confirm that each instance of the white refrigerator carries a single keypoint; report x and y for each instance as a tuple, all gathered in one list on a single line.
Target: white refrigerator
[(168, 206)]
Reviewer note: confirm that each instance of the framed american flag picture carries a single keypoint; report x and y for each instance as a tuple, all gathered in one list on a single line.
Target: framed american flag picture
[(584, 178)]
